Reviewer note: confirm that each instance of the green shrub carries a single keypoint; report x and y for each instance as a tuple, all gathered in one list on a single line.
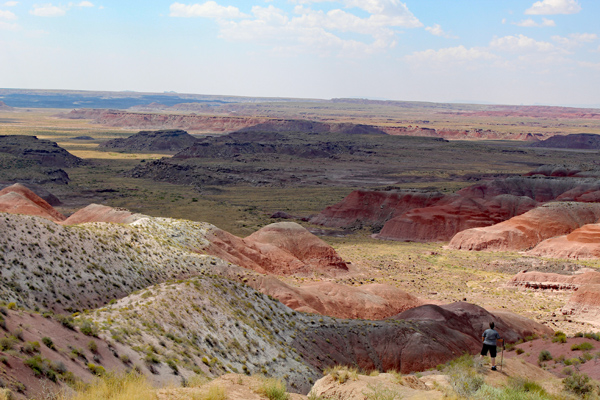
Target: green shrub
[(578, 384), (31, 347), (48, 342), (88, 328), (586, 346), (96, 369), (544, 356), (519, 350), (559, 339), (342, 373), (12, 305), (93, 346)]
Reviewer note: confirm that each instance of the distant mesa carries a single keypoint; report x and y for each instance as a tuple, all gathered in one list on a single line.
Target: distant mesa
[(44, 152), (314, 127), (580, 141), (525, 231), (169, 140), (18, 199), (282, 248), (4, 107), (83, 138), (100, 213)]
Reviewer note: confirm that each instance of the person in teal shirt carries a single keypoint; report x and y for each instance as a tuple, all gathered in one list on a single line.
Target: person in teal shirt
[(490, 339)]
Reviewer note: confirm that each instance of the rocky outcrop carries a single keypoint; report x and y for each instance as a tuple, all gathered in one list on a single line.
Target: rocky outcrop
[(170, 140), (282, 248), (373, 208), (18, 199), (100, 213), (582, 141), (525, 231), (549, 281)]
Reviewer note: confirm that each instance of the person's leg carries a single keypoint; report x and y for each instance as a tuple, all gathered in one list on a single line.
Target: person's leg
[(493, 361)]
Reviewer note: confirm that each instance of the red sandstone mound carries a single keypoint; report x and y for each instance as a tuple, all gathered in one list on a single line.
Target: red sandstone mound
[(364, 207), (472, 320), (374, 302), (100, 213), (582, 243), (451, 215), (585, 303), (282, 248), (525, 231), (18, 199)]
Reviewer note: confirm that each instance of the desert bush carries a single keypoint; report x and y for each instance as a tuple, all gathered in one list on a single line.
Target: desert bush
[(88, 328), (586, 346), (273, 389), (12, 305), (545, 356), (519, 350), (31, 347), (465, 379), (41, 367), (567, 371), (7, 342), (96, 369), (578, 384), (559, 337), (48, 342), (6, 394), (508, 393), (93, 346), (65, 320), (342, 373)]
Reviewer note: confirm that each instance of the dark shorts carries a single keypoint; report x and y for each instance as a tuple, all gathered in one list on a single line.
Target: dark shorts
[(489, 347)]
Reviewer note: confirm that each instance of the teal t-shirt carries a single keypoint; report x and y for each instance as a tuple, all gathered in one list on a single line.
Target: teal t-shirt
[(490, 336)]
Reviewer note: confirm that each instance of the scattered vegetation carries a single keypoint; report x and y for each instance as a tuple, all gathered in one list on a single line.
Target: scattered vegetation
[(273, 389)]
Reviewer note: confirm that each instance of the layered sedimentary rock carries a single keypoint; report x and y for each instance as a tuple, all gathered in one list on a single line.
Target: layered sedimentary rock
[(582, 141), (282, 248), (582, 243), (525, 231), (451, 215), (365, 207), (100, 213), (18, 199)]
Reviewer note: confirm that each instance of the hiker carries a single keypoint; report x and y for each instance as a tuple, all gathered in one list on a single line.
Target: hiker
[(490, 340)]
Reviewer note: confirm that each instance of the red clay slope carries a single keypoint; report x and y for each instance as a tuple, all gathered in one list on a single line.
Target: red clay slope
[(453, 214), (100, 213), (526, 231), (374, 302), (364, 207), (18, 199), (582, 243), (283, 248)]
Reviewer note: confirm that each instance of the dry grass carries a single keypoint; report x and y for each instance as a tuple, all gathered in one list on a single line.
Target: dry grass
[(115, 387)]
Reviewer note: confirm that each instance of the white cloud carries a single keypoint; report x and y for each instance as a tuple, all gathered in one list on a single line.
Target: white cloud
[(550, 7), (530, 23), (458, 54), (7, 15), (437, 30), (307, 29), (575, 39), (521, 43), (48, 10), (210, 9), (11, 3), (6, 26)]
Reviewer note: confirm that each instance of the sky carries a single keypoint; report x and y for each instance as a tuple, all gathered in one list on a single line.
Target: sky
[(482, 51)]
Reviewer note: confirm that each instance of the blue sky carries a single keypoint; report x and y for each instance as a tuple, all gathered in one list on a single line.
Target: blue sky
[(508, 51)]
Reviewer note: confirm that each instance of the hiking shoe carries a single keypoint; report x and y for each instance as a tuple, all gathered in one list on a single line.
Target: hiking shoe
[(494, 368)]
